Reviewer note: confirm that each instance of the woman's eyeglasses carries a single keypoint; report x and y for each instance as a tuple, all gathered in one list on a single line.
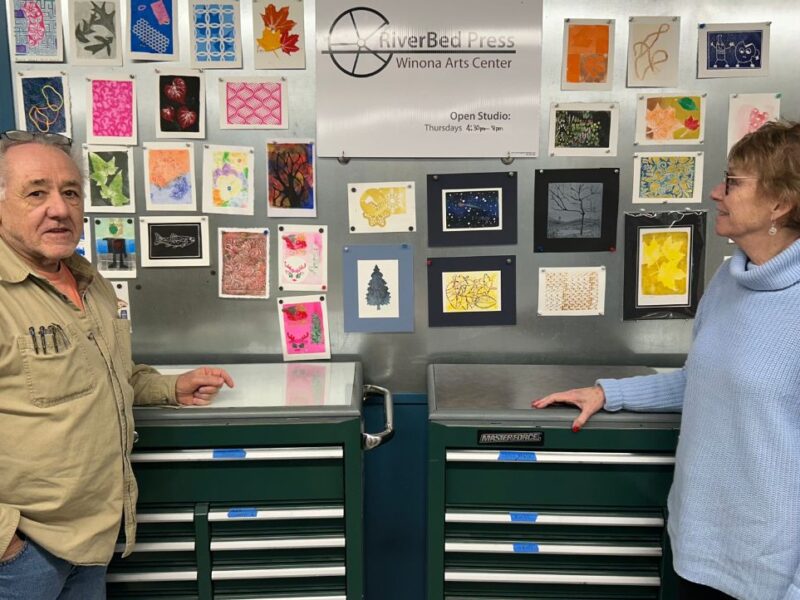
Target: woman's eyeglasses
[(729, 178), (16, 135)]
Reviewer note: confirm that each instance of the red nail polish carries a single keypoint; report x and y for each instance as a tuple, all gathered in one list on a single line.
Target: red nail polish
[(575, 429)]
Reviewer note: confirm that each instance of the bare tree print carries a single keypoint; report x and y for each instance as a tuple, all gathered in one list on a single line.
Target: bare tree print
[(574, 210)]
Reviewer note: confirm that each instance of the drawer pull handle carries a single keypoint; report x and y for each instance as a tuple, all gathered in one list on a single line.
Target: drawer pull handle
[(242, 513), (526, 548), (230, 453), (523, 517), (516, 456), (555, 578), (277, 573), (249, 454)]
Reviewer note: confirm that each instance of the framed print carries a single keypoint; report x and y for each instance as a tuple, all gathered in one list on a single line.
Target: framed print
[(303, 257), (84, 247), (35, 30), (575, 210), (109, 183), (667, 177), (653, 51), (588, 58), (152, 30), (304, 330), (382, 207), (471, 209), (748, 112), (670, 120), (96, 36), (378, 288), (215, 34), (472, 290), (169, 178), (663, 264), (584, 129), (732, 50), (279, 34), (571, 291), (243, 262), (111, 110), (291, 178), (253, 103), (181, 104), (43, 103), (228, 180), (175, 241), (115, 247)]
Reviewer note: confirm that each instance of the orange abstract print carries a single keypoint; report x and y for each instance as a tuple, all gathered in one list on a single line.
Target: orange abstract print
[(167, 165), (587, 54)]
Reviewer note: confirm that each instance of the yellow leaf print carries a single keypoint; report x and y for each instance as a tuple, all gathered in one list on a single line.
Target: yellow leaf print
[(669, 274), (664, 263), (652, 251), (270, 40)]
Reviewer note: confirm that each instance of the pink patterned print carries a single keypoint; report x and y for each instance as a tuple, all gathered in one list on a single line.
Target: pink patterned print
[(253, 103), (303, 325), (112, 108), (160, 12), (244, 264), (36, 27), (756, 119)]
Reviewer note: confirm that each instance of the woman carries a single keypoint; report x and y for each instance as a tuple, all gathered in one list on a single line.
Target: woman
[(734, 506)]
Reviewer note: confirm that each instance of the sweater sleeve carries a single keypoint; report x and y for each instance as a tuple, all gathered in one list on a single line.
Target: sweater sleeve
[(152, 388), (647, 393)]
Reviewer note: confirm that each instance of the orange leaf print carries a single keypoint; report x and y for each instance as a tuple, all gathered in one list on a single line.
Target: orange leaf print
[(277, 20), (289, 43), (277, 26), (167, 165)]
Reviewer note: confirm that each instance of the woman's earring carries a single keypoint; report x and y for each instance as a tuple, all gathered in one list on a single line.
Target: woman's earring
[(772, 229)]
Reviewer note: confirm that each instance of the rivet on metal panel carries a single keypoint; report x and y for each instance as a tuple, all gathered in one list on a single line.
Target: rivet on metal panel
[(602, 268), (630, 19), (404, 246), (410, 185), (429, 262), (353, 190), (507, 159), (322, 298), (280, 288), (352, 228), (138, 286), (411, 228), (701, 26), (435, 177), (343, 160), (132, 76), (265, 232), (346, 248), (322, 230), (509, 261), (130, 221), (283, 79), (280, 228), (608, 151), (616, 170), (213, 273), (512, 173), (280, 301), (734, 95)]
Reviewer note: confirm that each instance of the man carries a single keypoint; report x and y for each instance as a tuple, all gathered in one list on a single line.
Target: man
[(67, 386)]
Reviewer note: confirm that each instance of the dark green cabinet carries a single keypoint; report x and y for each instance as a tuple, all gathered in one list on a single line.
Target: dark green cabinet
[(519, 506)]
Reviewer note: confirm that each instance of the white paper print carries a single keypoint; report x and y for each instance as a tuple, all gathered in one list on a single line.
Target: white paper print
[(653, 51), (228, 180), (109, 185), (176, 241), (732, 50), (302, 257), (670, 119), (584, 129), (572, 291), (748, 112), (169, 176), (667, 177), (253, 103), (588, 57), (42, 101), (279, 40), (111, 110), (378, 293), (382, 207), (96, 37), (215, 34), (123, 300)]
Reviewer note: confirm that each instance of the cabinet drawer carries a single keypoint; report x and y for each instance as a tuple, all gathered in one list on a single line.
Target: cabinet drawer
[(516, 478)]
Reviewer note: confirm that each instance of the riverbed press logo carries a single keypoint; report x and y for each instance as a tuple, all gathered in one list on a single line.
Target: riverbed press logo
[(362, 43)]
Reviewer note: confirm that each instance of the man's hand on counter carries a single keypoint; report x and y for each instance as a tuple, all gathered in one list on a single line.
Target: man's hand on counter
[(199, 386)]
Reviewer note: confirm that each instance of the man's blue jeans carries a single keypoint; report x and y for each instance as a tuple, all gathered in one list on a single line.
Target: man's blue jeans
[(35, 574)]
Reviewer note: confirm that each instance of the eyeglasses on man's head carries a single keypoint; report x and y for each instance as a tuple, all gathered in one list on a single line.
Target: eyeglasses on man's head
[(21, 137)]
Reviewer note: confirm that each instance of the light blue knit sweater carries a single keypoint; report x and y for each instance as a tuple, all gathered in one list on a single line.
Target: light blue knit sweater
[(734, 506)]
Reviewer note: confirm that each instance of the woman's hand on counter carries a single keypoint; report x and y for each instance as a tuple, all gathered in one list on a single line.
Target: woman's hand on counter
[(199, 386), (589, 400)]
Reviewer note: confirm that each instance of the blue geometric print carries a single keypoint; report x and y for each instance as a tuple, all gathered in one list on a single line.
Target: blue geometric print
[(215, 33), (734, 49), (151, 26)]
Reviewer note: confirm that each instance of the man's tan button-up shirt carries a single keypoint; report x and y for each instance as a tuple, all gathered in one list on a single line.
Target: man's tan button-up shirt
[(66, 417)]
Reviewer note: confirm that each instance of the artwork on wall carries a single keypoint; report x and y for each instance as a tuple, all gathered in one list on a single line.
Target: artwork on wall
[(253, 103), (588, 58), (279, 34), (382, 207), (291, 180), (215, 34), (748, 112), (653, 51), (181, 105), (123, 301), (378, 288), (228, 180), (43, 102), (670, 119), (35, 29), (96, 38), (303, 257), (584, 129), (472, 290), (243, 262), (663, 264), (169, 176), (670, 177), (176, 241), (733, 50), (152, 32), (571, 291), (84, 247), (111, 110), (469, 209), (109, 182), (303, 323), (575, 210), (115, 247)]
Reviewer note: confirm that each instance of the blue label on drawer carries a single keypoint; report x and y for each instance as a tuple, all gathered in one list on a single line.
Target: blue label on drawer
[(510, 455), (526, 517), (242, 513), (230, 453), (526, 547)]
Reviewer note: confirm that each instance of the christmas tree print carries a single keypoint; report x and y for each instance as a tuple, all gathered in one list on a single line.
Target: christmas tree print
[(378, 293), (316, 329)]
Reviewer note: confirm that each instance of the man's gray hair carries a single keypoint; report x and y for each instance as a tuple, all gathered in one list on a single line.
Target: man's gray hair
[(6, 144)]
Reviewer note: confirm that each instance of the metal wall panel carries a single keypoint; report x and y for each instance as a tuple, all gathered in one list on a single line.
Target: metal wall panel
[(178, 317)]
